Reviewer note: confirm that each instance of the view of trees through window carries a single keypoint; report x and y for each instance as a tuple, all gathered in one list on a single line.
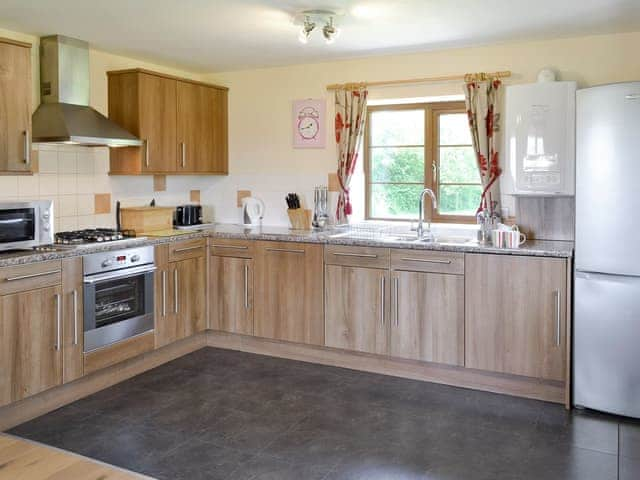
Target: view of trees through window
[(404, 156)]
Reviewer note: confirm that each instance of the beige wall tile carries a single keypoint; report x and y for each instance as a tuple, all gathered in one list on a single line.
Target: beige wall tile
[(8, 186), (28, 186), (48, 184), (86, 204), (102, 203)]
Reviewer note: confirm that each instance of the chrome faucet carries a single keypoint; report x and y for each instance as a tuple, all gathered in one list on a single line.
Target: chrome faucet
[(421, 213)]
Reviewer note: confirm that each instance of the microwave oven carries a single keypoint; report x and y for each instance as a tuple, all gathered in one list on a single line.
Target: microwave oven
[(25, 225)]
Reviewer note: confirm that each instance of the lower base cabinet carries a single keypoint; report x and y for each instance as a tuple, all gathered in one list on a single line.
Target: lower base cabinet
[(30, 343), (427, 317), (180, 292), (355, 304), (231, 294), (516, 315), (288, 292)]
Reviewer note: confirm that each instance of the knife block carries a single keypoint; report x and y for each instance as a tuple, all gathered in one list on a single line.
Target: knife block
[(300, 218)]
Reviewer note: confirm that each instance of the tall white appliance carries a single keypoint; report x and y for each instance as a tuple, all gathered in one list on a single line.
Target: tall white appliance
[(606, 368)]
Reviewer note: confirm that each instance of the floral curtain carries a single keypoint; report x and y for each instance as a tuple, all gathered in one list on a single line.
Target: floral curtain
[(483, 101), (351, 113)]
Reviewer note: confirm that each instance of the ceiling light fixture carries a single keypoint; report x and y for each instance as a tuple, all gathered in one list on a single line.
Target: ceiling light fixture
[(311, 18), (307, 28)]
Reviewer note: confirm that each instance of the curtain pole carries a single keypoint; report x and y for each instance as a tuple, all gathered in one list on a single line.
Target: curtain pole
[(446, 78)]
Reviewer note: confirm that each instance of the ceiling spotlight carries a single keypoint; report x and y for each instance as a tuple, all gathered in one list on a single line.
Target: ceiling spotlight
[(308, 20), (330, 32), (307, 28)]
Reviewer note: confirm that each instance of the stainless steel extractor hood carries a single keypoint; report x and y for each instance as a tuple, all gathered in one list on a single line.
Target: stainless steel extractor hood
[(64, 114)]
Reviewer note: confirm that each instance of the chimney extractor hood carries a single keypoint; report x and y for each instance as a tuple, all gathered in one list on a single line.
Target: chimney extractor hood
[(64, 114)]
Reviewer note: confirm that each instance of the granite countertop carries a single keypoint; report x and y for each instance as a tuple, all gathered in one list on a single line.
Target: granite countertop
[(539, 248)]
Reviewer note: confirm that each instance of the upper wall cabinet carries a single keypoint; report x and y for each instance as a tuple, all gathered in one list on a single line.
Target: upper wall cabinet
[(183, 124), (15, 106)]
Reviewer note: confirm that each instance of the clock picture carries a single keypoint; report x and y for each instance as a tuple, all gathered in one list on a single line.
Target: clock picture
[(308, 123)]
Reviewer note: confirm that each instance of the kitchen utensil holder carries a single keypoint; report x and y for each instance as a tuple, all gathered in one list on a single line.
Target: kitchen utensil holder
[(300, 218)]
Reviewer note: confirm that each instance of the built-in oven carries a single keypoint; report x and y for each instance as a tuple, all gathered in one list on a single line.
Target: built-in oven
[(25, 225), (118, 295)]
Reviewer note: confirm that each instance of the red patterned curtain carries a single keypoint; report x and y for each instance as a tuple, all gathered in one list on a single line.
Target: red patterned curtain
[(483, 100), (351, 113)]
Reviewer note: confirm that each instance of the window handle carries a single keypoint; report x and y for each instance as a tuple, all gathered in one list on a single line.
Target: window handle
[(434, 169)]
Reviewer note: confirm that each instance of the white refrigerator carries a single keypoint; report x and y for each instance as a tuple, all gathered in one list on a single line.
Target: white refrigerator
[(606, 367)]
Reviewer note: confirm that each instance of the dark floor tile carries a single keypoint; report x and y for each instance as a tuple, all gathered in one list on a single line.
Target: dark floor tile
[(629, 468), (263, 467), (570, 463), (630, 440), (197, 460), (47, 427), (583, 430)]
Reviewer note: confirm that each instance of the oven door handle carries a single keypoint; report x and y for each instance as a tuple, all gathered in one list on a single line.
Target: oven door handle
[(125, 273)]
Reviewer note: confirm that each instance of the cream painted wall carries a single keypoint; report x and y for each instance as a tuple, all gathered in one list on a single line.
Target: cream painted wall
[(260, 104), (260, 100), (100, 62)]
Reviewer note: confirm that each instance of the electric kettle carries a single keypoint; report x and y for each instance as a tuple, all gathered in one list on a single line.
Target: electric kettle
[(252, 211)]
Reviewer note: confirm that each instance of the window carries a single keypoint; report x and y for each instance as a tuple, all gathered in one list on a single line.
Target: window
[(410, 147)]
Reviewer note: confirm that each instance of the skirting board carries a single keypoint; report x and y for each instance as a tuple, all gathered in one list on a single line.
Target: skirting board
[(455, 376), (32, 407)]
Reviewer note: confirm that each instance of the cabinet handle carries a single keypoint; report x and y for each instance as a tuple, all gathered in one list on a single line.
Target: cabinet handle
[(146, 153), (246, 286), (58, 322), (424, 260), (75, 317), (183, 147), (558, 317), (27, 148), (361, 255), (186, 249), (175, 290), (284, 250), (382, 292), (164, 293), (237, 247), (396, 282), (32, 275)]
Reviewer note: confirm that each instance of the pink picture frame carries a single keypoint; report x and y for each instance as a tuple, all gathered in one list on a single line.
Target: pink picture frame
[(309, 123)]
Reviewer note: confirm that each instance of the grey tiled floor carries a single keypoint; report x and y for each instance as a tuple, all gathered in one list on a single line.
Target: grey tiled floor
[(218, 414)]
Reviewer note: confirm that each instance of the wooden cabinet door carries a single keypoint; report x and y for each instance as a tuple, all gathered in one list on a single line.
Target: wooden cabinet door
[(515, 315), (190, 277), (72, 325), (427, 317), (15, 107), (231, 294), (157, 117), (356, 308), (167, 329), (220, 132), (30, 343), (289, 292), (196, 113)]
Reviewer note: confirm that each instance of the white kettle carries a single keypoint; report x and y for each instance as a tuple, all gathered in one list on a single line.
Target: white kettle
[(252, 211)]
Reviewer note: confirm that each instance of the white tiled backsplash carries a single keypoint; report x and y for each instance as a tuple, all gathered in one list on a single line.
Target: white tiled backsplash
[(72, 176)]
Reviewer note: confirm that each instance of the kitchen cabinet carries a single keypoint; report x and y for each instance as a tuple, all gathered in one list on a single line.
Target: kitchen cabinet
[(72, 319), (183, 124), (30, 342), (231, 294), (15, 105), (427, 306), (356, 308), (427, 315), (144, 105), (515, 315), (289, 292), (201, 128), (180, 288)]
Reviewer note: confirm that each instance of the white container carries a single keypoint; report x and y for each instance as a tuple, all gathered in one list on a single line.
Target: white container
[(539, 148)]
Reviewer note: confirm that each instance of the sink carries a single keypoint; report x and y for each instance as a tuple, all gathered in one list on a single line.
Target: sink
[(404, 237)]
